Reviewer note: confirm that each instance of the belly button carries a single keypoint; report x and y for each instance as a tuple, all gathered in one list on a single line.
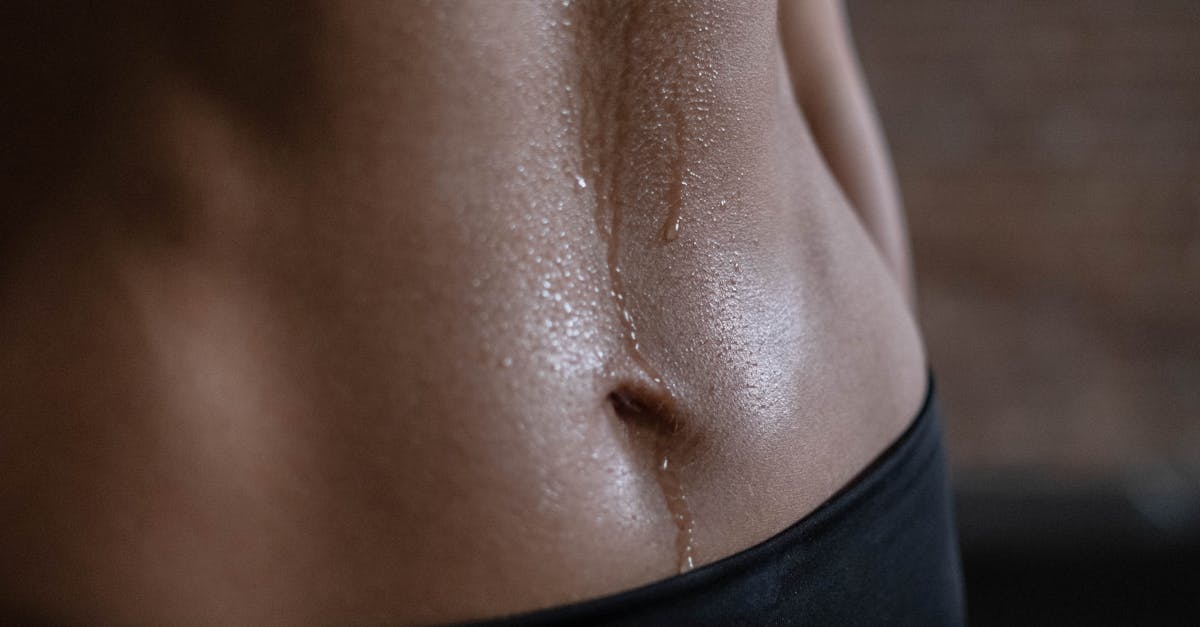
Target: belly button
[(653, 419)]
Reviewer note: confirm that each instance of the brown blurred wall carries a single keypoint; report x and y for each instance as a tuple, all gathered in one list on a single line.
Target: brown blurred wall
[(1049, 157)]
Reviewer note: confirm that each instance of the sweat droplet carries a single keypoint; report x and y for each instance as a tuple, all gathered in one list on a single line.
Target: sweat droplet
[(579, 180), (679, 173), (671, 230)]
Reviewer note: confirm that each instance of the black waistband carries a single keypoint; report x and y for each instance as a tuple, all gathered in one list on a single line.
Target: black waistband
[(882, 551)]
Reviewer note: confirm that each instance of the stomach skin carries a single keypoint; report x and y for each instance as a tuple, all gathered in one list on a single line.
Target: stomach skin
[(430, 312)]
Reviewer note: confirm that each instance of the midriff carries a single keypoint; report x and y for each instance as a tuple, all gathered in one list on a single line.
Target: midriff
[(410, 333)]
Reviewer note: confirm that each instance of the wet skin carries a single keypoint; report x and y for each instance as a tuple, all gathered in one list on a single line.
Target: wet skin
[(372, 313)]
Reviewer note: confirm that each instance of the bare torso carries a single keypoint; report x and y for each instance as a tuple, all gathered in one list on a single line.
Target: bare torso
[(408, 330)]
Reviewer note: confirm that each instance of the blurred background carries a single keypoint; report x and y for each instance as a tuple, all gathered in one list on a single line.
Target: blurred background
[(1049, 157)]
